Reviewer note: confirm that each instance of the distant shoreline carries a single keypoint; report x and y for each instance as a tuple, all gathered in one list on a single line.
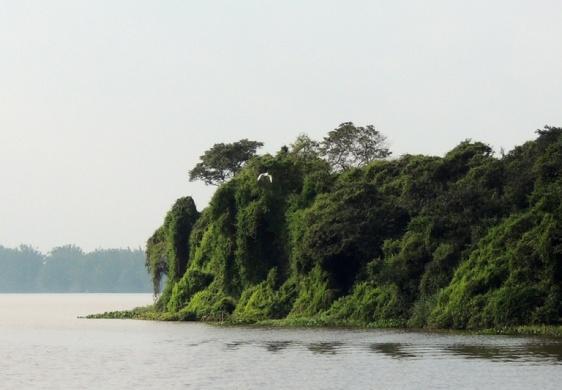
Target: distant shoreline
[(68, 269), (73, 292)]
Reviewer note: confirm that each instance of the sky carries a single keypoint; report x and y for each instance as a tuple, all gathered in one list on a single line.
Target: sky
[(105, 105)]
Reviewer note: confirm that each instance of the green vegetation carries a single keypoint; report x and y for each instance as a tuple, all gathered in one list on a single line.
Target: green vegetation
[(342, 236), (353, 146), (223, 161), (69, 269)]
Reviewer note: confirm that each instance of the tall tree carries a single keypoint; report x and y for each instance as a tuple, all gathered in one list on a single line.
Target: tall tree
[(305, 147), (353, 146), (223, 161)]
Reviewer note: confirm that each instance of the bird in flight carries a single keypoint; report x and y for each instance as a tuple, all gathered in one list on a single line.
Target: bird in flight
[(265, 175)]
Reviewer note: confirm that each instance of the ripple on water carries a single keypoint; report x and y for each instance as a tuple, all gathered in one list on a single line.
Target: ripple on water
[(66, 353)]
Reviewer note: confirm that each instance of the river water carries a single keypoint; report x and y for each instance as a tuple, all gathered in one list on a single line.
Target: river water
[(44, 345)]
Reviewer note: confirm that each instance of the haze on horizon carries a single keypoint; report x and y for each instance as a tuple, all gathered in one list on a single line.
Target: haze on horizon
[(105, 106)]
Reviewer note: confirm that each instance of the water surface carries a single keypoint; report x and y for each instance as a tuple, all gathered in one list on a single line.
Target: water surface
[(44, 345)]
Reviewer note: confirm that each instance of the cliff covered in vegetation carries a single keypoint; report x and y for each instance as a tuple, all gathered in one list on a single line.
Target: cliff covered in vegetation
[(468, 240)]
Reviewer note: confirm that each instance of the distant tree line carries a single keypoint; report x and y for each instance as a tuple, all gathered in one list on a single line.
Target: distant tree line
[(69, 269)]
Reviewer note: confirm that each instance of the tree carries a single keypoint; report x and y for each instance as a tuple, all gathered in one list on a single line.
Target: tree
[(223, 161), (305, 147), (353, 146)]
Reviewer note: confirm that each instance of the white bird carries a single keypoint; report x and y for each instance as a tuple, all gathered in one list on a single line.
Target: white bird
[(266, 175)]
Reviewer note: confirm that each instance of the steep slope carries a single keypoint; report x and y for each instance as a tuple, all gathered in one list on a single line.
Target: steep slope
[(467, 240)]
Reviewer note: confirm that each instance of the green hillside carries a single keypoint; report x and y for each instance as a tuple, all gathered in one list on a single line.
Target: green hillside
[(469, 240)]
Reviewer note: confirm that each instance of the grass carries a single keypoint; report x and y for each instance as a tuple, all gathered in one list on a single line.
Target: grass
[(139, 313), (148, 313), (527, 330)]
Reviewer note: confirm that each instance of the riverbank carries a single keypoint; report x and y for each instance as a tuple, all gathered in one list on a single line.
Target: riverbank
[(147, 313)]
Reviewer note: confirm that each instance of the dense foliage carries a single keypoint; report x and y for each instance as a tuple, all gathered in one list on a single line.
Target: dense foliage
[(69, 269), (467, 240)]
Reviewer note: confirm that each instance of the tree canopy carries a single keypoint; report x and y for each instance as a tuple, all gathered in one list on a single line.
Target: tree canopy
[(305, 147), (353, 146), (223, 161)]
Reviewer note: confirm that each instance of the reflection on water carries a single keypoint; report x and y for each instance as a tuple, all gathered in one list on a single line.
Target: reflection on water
[(234, 345), (195, 344), (43, 345), (330, 348), (526, 352), (522, 353), (394, 350), (505, 354), (276, 346), (550, 351)]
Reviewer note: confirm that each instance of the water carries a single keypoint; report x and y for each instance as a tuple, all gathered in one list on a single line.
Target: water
[(43, 345)]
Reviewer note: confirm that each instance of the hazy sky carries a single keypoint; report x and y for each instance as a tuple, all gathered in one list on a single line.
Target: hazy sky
[(105, 105)]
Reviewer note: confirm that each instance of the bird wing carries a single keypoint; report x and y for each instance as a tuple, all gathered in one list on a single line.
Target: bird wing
[(266, 174)]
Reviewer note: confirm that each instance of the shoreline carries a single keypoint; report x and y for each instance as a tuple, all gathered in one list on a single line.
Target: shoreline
[(146, 314)]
